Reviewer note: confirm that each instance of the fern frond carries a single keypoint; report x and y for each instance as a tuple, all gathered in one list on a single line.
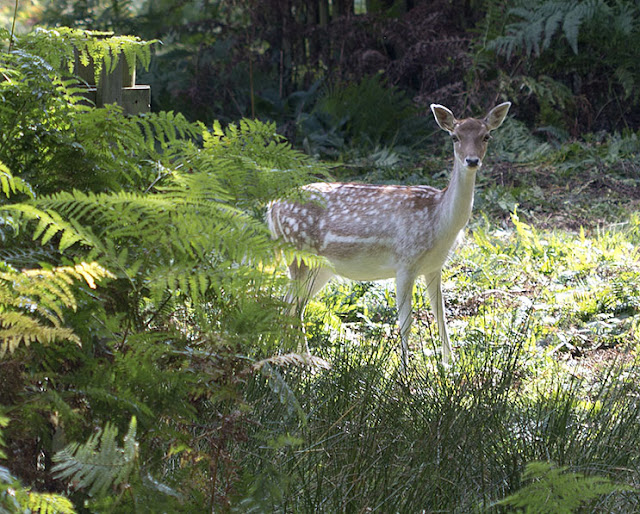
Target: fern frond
[(12, 185), (258, 163), (536, 26), (57, 278), (50, 224), (17, 328), (98, 464), (21, 499), (575, 17), (54, 283), (166, 128), (555, 489), (25, 257), (279, 387), (189, 217), (307, 258), (60, 46)]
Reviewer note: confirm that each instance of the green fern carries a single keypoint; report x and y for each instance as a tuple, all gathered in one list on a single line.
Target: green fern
[(538, 25), (278, 385), (47, 503), (72, 135), (16, 328), (557, 490), (99, 464), (3, 424), (16, 498), (174, 211), (49, 225), (21, 499), (254, 163), (206, 201), (517, 144), (12, 185)]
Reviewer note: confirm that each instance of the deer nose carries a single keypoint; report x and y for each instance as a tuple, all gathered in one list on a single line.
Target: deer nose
[(472, 162)]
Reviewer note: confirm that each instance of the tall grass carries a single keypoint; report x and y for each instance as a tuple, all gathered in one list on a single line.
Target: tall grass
[(439, 440)]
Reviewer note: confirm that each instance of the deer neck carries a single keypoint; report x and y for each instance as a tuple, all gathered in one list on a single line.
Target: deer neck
[(458, 197)]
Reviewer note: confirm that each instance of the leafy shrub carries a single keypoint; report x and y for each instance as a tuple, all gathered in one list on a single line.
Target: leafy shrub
[(361, 118), (14, 497)]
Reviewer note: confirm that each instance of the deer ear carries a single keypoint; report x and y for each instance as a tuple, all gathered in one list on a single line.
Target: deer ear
[(497, 115), (444, 117)]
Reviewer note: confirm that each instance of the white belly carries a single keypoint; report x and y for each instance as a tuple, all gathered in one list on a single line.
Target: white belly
[(378, 262), (365, 269)]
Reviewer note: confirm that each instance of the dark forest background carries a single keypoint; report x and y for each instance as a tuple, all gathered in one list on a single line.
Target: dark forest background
[(570, 67)]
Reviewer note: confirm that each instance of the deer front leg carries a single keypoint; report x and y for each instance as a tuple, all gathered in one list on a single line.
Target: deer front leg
[(305, 283), (434, 287), (404, 297)]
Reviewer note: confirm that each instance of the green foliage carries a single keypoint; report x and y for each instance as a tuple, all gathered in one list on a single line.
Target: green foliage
[(514, 143), (99, 464), (451, 440), (12, 185), (550, 47), (71, 136), (142, 239), (555, 489), (43, 503), (14, 498), (199, 199), (3, 423), (166, 216), (258, 163)]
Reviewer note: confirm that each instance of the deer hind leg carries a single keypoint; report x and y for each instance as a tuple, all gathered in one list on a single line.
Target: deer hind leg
[(305, 283), (434, 288), (404, 298)]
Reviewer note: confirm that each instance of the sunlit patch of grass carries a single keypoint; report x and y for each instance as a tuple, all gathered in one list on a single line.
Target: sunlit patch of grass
[(583, 286)]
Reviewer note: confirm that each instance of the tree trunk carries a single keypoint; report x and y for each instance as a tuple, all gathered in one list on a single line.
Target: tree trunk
[(323, 13), (343, 8)]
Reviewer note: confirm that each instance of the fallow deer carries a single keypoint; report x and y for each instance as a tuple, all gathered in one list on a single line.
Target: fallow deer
[(372, 232)]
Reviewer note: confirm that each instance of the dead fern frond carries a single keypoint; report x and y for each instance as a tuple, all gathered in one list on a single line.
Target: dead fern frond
[(293, 359), (32, 303), (16, 328)]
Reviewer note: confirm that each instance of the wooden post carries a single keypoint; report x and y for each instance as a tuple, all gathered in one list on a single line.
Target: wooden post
[(110, 86)]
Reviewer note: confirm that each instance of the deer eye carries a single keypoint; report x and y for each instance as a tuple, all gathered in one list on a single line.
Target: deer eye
[(486, 138), (455, 138)]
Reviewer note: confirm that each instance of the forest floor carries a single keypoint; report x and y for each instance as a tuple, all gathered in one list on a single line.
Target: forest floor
[(587, 200)]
